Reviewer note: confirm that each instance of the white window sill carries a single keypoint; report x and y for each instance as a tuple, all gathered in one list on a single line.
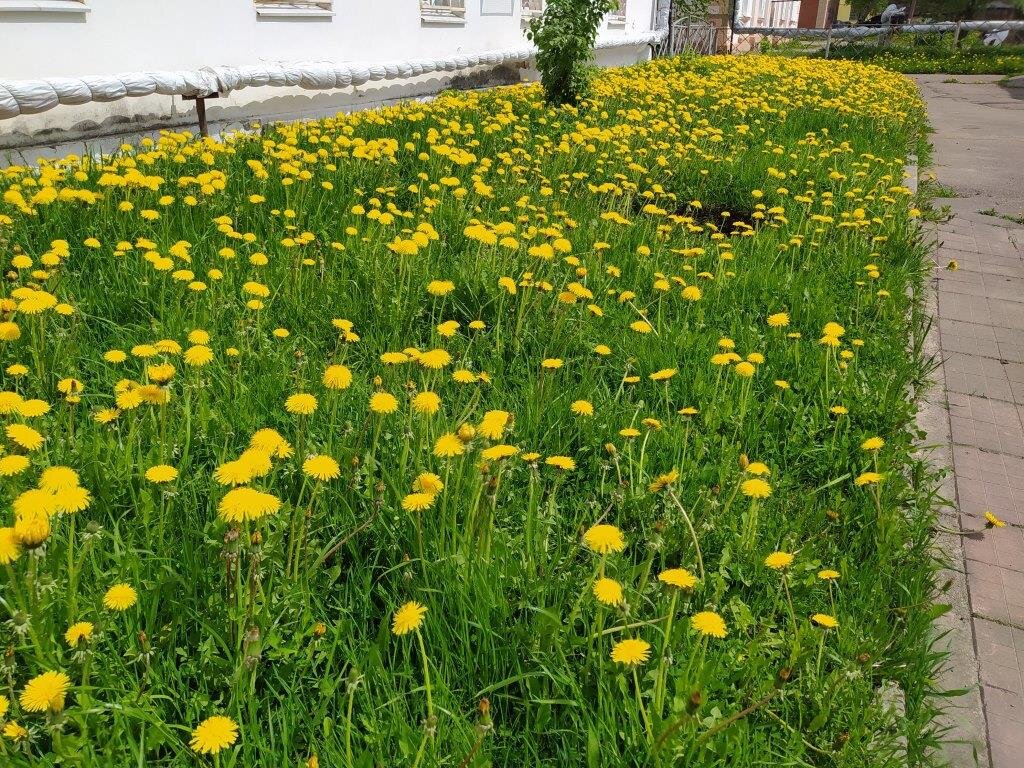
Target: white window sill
[(428, 18), (617, 23), (43, 6), (294, 13)]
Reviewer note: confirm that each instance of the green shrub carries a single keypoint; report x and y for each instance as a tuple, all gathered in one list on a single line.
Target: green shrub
[(565, 37)]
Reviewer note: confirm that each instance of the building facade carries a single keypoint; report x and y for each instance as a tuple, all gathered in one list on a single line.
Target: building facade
[(77, 39)]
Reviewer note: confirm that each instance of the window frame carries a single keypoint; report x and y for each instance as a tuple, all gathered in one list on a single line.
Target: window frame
[(285, 9), (529, 12), (617, 16), (450, 12), (43, 6)]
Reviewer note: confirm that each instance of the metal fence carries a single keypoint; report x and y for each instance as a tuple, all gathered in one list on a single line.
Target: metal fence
[(951, 47), (686, 36)]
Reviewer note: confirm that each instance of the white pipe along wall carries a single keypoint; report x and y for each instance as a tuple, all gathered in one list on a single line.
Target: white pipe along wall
[(73, 69)]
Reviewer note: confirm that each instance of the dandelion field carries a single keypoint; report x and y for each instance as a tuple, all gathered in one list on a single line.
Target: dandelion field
[(474, 433)]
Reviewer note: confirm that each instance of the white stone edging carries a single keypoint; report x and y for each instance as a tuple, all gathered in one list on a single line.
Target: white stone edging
[(29, 97)]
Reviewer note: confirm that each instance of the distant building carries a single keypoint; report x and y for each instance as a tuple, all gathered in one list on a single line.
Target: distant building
[(822, 14)]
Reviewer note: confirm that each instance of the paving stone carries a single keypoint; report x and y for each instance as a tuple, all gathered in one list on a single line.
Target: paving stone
[(980, 325)]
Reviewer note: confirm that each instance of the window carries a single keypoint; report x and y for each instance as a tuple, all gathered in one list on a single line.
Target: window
[(294, 8), (443, 11), (532, 8), (617, 16), (497, 7), (43, 6)]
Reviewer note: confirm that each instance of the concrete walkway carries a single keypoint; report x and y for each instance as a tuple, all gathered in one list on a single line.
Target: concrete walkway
[(978, 421)]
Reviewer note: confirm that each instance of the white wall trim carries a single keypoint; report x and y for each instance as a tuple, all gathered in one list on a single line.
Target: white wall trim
[(43, 6), (29, 97), (278, 12)]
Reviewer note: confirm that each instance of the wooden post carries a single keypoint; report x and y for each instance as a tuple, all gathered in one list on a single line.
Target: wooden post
[(956, 35), (204, 128), (828, 43)]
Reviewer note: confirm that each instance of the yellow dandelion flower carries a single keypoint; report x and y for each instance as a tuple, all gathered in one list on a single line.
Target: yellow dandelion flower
[(604, 539), (301, 404), (631, 652), (825, 621), (756, 488), (120, 597), (244, 503), (448, 445), (993, 522), (709, 623), (678, 577), (78, 633), (418, 501), (608, 591), (337, 377), (564, 463), (45, 692), (872, 444), (779, 560), (582, 408), (408, 618), (383, 403), (868, 478), (161, 473), (213, 735), (321, 468)]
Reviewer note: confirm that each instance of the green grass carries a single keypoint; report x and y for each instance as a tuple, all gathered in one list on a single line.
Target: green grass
[(914, 54), (808, 155)]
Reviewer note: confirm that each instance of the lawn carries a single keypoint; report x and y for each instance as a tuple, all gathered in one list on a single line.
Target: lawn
[(475, 432), (934, 54)]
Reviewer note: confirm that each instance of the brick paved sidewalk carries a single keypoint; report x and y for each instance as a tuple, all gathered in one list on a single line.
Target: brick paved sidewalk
[(977, 419), (981, 340)]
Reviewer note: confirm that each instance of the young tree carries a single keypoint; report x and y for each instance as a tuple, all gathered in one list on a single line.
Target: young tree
[(564, 36)]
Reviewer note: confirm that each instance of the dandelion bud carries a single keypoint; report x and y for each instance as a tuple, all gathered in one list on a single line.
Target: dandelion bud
[(410, 386), (841, 739), (319, 629), (377, 381), (354, 678), (610, 449), (355, 462), (143, 640), (231, 535), (466, 432), (694, 701), (832, 515), (744, 462), (784, 674), (485, 707), (864, 658)]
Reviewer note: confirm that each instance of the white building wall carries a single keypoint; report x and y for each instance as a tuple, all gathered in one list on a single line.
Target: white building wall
[(111, 36)]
